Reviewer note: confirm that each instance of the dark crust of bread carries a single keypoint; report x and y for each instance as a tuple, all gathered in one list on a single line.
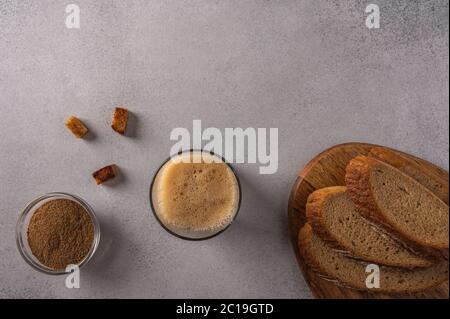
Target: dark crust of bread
[(305, 236), (403, 164), (314, 217), (359, 188)]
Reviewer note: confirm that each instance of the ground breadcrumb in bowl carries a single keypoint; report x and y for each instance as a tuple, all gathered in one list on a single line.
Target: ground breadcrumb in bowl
[(56, 230)]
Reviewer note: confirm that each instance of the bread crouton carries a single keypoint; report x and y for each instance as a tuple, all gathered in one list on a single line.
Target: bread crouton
[(76, 127), (105, 173), (119, 122)]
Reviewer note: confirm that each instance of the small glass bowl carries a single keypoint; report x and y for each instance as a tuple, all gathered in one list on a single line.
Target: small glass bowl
[(22, 230)]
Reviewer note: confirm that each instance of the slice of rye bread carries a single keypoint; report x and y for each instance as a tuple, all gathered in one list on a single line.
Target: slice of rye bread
[(348, 272), (334, 217), (438, 184), (399, 204)]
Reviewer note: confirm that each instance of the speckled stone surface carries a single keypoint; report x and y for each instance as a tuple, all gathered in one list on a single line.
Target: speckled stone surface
[(310, 68)]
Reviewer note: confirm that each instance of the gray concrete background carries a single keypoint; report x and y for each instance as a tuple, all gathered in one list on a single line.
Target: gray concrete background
[(310, 68)]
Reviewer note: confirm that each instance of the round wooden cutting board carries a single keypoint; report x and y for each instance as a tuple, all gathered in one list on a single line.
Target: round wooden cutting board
[(328, 169)]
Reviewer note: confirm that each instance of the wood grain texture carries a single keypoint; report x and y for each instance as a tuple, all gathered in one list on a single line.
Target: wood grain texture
[(328, 169)]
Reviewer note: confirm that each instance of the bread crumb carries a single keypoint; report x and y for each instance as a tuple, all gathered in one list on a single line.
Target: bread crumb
[(105, 173), (76, 127), (119, 122)]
